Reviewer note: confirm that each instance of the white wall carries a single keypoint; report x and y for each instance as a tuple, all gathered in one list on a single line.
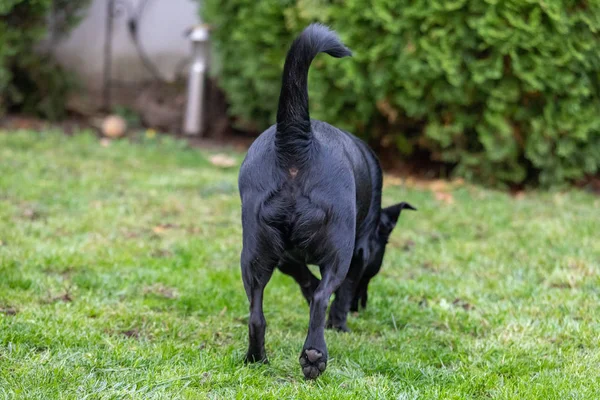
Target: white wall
[(161, 33)]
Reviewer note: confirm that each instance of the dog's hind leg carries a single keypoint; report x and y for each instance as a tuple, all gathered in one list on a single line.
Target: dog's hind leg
[(313, 358), (256, 273), (299, 271)]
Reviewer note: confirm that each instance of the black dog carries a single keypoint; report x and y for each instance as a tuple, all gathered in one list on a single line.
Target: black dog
[(311, 194), (387, 222)]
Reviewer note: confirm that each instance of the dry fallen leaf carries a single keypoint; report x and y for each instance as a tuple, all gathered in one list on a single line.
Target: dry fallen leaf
[(438, 185), (159, 229), (222, 161), (390, 180), (162, 228), (444, 197), (104, 142), (520, 195)]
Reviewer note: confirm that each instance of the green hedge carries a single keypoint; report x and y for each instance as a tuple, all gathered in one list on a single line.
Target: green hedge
[(30, 81), (507, 91)]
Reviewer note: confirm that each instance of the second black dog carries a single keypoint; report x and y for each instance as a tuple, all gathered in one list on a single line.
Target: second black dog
[(311, 194)]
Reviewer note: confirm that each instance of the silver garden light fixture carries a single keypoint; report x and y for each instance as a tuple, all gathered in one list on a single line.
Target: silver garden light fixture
[(194, 123)]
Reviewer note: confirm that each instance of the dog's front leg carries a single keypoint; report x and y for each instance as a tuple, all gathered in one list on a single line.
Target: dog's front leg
[(360, 294), (313, 358), (338, 313)]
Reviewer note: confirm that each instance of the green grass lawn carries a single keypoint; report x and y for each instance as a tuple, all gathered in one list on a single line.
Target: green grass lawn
[(119, 278)]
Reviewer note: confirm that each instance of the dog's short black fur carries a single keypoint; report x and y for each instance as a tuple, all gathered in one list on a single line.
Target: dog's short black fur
[(311, 194)]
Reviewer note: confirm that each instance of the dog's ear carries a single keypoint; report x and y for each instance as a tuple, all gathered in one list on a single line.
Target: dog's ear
[(389, 216)]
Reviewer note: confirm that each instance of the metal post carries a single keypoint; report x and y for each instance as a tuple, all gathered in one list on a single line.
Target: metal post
[(194, 123)]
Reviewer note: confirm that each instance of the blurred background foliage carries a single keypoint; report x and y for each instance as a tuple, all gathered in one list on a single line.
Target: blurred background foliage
[(30, 80), (504, 92)]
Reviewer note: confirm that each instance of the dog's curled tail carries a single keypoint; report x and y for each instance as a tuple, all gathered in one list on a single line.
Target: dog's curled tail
[(293, 133)]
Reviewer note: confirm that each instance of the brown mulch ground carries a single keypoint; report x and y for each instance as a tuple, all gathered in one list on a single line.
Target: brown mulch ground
[(73, 124)]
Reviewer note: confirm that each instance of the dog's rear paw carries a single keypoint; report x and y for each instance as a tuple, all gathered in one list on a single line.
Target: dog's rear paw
[(313, 363)]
